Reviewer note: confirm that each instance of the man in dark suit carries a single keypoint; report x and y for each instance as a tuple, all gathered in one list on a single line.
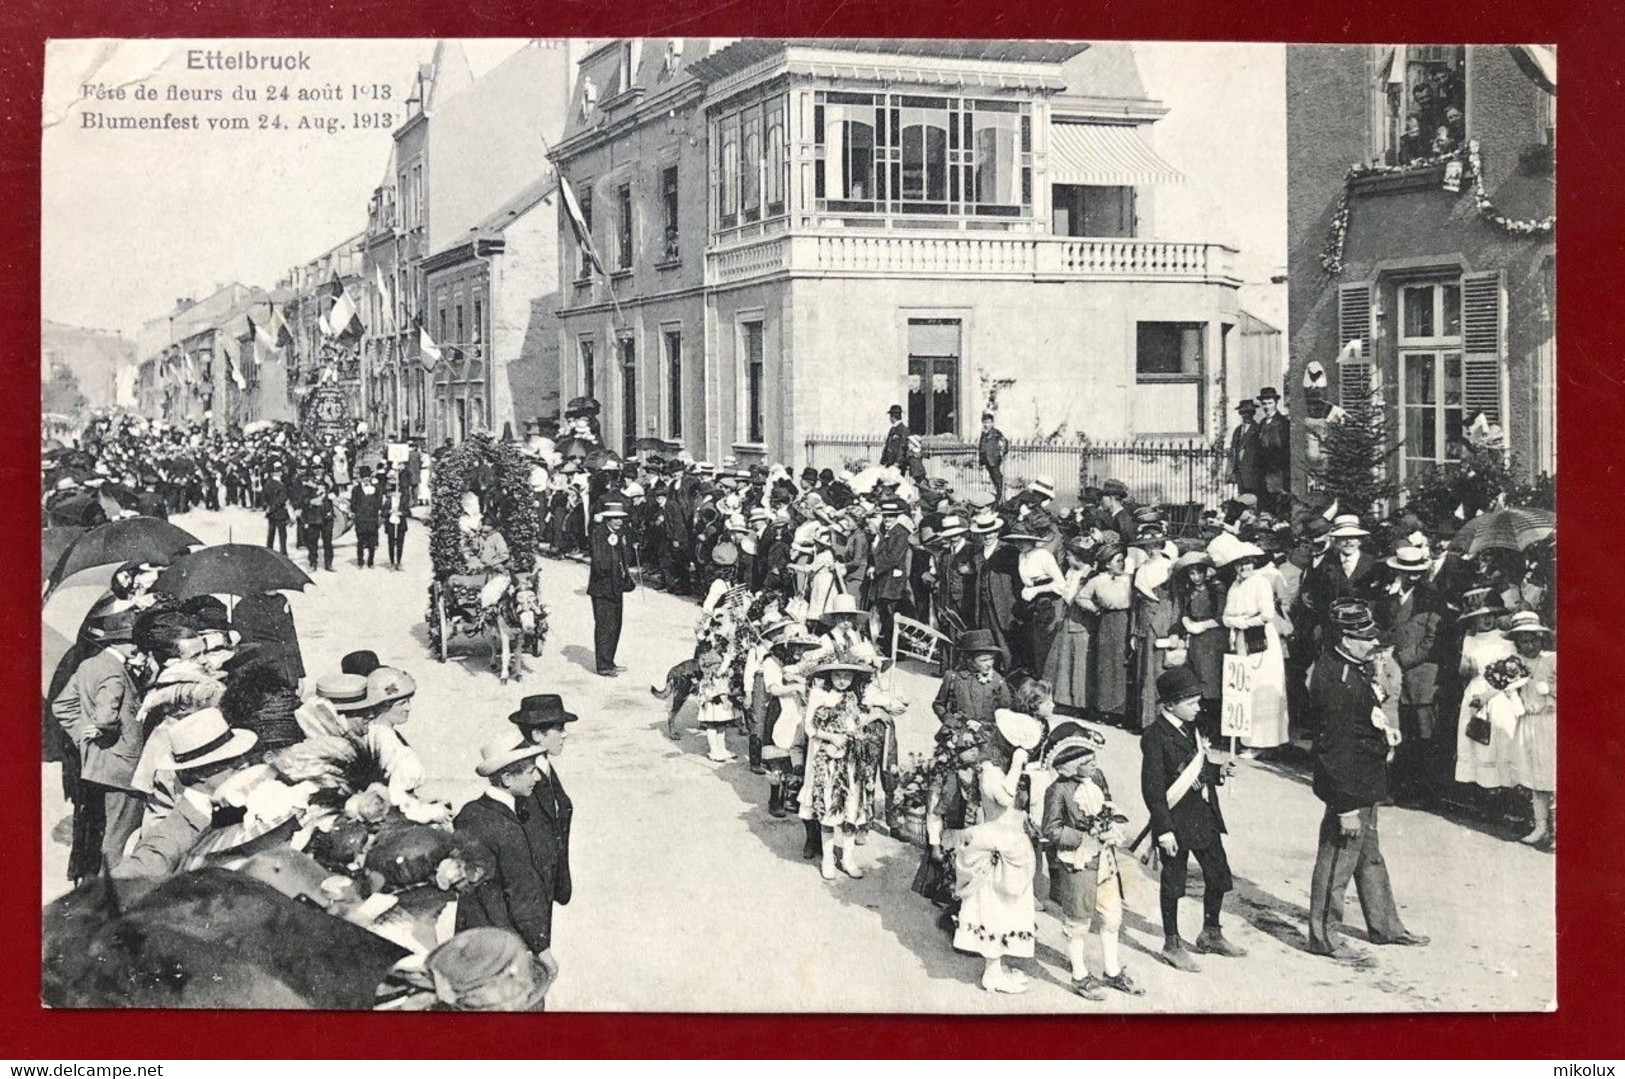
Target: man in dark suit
[(1180, 786), (892, 557), (1246, 469), (1344, 571), (520, 895), (548, 812), (275, 496), (608, 581), (366, 506), (1114, 508), (669, 527), (1275, 455), (895, 451), (1414, 623), (995, 578), (1351, 778), (991, 449)]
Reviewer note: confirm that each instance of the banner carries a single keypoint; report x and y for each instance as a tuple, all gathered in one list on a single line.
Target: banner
[(1236, 706)]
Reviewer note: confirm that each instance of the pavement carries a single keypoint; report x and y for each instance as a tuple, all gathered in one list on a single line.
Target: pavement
[(689, 897)]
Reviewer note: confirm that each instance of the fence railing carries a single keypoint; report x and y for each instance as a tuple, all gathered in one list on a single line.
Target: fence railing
[(1180, 475)]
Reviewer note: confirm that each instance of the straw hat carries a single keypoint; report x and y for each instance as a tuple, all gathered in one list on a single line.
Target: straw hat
[(204, 738), (497, 755), (1526, 622), (1409, 560), (986, 523), (1018, 728), (843, 661), (1346, 526)]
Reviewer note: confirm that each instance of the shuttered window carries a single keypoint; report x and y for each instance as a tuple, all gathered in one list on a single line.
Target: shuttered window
[(1483, 301), (1353, 324)]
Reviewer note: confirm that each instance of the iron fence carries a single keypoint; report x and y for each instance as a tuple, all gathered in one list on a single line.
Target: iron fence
[(1183, 476)]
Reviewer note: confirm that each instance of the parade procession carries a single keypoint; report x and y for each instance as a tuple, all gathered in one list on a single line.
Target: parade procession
[(661, 690)]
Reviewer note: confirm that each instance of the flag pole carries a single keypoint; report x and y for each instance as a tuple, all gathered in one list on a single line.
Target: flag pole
[(620, 315)]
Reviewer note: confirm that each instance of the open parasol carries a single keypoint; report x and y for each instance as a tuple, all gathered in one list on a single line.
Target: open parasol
[(231, 569), (209, 939), (1511, 529), (146, 538), (53, 541)]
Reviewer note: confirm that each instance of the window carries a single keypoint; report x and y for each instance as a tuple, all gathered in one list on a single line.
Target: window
[(751, 359), (673, 57), (777, 159), (1431, 383), (1421, 96), (1169, 368), (623, 227), (628, 350), (673, 340), (626, 69), (727, 172), (589, 377), (933, 376), (479, 321), (751, 170), (1169, 350), (584, 267), (750, 165), (1079, 210), (898, 153), (462, 331), (668, 211), (445, 326)]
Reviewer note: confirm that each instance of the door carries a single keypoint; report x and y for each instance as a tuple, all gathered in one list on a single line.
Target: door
[(629, 395)]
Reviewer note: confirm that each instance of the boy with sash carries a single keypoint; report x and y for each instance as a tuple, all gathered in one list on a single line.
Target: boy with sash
[(1180, 786)]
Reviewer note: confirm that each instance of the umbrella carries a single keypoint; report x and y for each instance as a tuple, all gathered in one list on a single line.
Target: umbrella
[(61, 621), (53, 541), (210, 939), (144, 538), (233, 569), (1511, 529)]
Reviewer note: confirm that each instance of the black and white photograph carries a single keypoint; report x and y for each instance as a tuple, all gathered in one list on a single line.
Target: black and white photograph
[(821, 525)]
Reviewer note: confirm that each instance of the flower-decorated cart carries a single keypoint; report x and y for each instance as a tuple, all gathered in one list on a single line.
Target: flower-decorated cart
[(485, 529)]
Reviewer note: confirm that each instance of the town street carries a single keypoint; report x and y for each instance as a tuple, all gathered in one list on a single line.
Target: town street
[(689, 897)]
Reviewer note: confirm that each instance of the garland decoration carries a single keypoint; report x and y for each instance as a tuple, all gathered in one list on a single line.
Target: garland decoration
[(500, 475), (1465, 160)]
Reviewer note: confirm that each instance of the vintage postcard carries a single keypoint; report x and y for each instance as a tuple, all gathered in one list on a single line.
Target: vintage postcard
[(798, 525)]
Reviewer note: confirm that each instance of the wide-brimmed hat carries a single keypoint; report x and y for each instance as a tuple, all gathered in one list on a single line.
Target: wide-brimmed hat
[(611, 509), (843, 606), (1409, 560), (1476, 602), (488, 969), (541, 710), (1073, 750), (204, 738), (1115, 488), (1192, 558), (346, 692), (1525, 622), (952, 525), (985, 523), (1043, 486), (1178, 684), (387, 684), (725, 554), (497, 755), (1346, 526), (1018, 728), (843, 661), (1021, 536), (973, 641)]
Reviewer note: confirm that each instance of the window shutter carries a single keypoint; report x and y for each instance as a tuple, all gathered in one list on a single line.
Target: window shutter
[(1483, 323), (1353, 324)]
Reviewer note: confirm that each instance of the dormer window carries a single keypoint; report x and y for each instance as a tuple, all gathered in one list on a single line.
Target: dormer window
[(627, 67), (1421, 96), (589, 97), (673, 57)]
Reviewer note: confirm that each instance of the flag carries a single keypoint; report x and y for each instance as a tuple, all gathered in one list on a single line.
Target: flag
[(429, 351), (341, 318), (233, 372), (386, 304), (281, 333), (578, 225)]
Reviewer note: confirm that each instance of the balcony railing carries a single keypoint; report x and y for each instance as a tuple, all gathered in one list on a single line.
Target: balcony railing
[(1033, 258)]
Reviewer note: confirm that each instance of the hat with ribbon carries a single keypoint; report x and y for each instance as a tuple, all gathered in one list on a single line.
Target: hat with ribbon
[(986, 523), (1346, 526), (346, 692), (1525, 622), (1352, 617), (497, 755), (204, 738), (1409, 560)]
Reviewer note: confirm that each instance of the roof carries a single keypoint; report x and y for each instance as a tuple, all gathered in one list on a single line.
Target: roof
[(510, 211), (748, 51)]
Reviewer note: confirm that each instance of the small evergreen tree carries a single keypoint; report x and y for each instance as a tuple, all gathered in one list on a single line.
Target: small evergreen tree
[(1355, 455)]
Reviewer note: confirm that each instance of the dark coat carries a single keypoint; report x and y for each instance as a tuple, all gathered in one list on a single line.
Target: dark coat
[(997, 583), (896, 447), (366, 509), (275, 496), (1351, 753), (1196, 822), (1275, 442), (97, 709), (991, 446), (892, 565), (610, 575), (1414, 629), (548, 813), (956, 583), (1327, 582), (520, 896), (1246, 462)]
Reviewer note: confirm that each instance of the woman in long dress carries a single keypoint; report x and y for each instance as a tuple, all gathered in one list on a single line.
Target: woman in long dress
[(1041, 584), (1251, 616), (994, 861), (1109, 594), (1158, 638), (1488, 766), (823, 575), (1200, 603), (1535, 743), (1067, 668)]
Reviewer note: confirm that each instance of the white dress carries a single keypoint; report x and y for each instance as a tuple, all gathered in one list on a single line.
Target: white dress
[(1492, 765), (1249, 599), (994, 866)]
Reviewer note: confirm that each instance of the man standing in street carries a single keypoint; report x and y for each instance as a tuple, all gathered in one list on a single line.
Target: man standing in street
[(1275, 455), (895, 451), (1352, 745), (1413, 623), (608, 581), (1114, 508), (991, 448), (892, 557), (1180, 786), (275, 494), (366, 505), (1246, 468), (520, 895), (548, 812)]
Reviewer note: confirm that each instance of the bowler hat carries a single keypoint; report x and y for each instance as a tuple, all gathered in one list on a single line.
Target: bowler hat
[(363, 662), (1269, 393), (1178, 684), (1115, 488), (895, 410), (974, 641), (541, 710), (1246, 405)]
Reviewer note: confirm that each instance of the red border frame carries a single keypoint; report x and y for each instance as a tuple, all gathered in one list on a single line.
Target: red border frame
[(1591, 877)]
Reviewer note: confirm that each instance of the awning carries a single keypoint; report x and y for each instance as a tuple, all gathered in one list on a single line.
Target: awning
[(1539, 63), (1105, 155)]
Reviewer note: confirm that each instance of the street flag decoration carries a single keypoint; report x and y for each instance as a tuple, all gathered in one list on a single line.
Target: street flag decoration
[(578, 225), (233, 372), (257, 335), (386, 303), (428, 351), (340, 318)]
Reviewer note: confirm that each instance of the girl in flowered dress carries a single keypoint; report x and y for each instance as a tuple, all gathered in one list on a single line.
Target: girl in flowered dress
[(837, 793), (715, 694)]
